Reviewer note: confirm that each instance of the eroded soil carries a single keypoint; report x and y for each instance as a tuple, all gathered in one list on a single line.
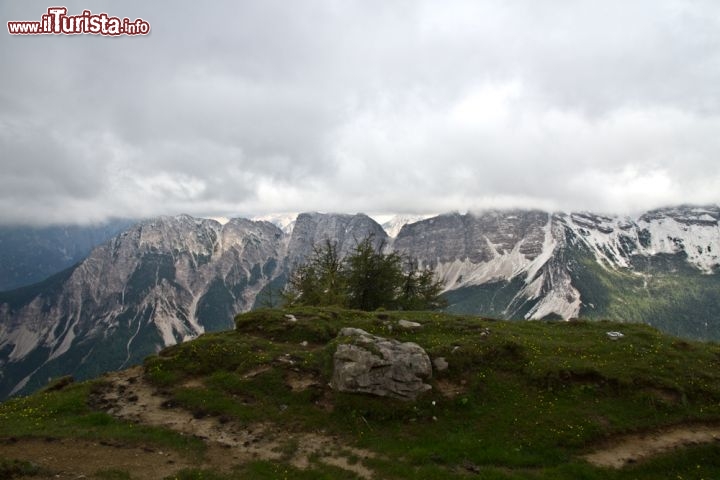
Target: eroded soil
[(619, 452), (74, 458), (130, 397)]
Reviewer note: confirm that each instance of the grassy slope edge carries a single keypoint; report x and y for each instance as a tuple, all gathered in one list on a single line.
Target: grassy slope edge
[(519, 400)]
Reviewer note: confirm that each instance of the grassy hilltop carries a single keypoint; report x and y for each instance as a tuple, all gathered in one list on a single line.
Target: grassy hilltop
[(535, 400)]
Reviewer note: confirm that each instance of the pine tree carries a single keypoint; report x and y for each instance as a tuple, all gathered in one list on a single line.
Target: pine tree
[(373, 278), (367, 279), (320, 281), (420, 290)]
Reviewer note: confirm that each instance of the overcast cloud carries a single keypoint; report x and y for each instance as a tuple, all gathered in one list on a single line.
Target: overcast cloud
[(254, 107)]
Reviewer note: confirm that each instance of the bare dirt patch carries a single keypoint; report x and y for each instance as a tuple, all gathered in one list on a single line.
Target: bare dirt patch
[(300, 382), (193, 383), (449, 389), (130, 397), (72, 458), (637, 447)]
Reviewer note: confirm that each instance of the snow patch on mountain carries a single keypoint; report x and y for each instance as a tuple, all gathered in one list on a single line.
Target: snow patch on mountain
[(392, 224), (220, 220), (548, 249), (284, 221), (612, 240), (699, 241), (615, 240)]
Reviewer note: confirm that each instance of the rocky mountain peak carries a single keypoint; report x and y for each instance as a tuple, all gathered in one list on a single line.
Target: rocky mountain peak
[(312, 229), (476, 237)]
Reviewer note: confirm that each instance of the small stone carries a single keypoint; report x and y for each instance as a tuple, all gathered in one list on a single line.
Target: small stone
[(440, 364), (409, 325), (290, 317), (304, 343), (614, 335)]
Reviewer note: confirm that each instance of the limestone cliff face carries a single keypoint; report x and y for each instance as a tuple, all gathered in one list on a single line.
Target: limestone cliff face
[(345, 231), (158, 283), (528, 264), (498, 247), (476, 238)]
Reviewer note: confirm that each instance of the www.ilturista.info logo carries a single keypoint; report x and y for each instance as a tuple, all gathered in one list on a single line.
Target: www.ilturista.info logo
[(58, 22)]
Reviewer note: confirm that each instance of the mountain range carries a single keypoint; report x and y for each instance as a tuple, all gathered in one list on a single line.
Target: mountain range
[(169, 279)]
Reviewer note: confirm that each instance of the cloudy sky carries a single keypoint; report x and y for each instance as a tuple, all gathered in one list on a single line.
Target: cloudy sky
[(258, 106)]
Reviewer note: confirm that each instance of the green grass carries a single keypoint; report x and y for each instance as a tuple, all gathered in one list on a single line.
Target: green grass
[(535, 394), (19, 469), (663, 291), (531, 397), (260, 470)]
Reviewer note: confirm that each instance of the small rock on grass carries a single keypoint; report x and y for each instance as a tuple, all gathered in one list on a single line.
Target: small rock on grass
[(440, 364), (409, 325)]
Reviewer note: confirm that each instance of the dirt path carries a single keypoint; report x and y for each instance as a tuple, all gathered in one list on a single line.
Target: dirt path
[(130, 397), (634, 448), (73, 458)]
